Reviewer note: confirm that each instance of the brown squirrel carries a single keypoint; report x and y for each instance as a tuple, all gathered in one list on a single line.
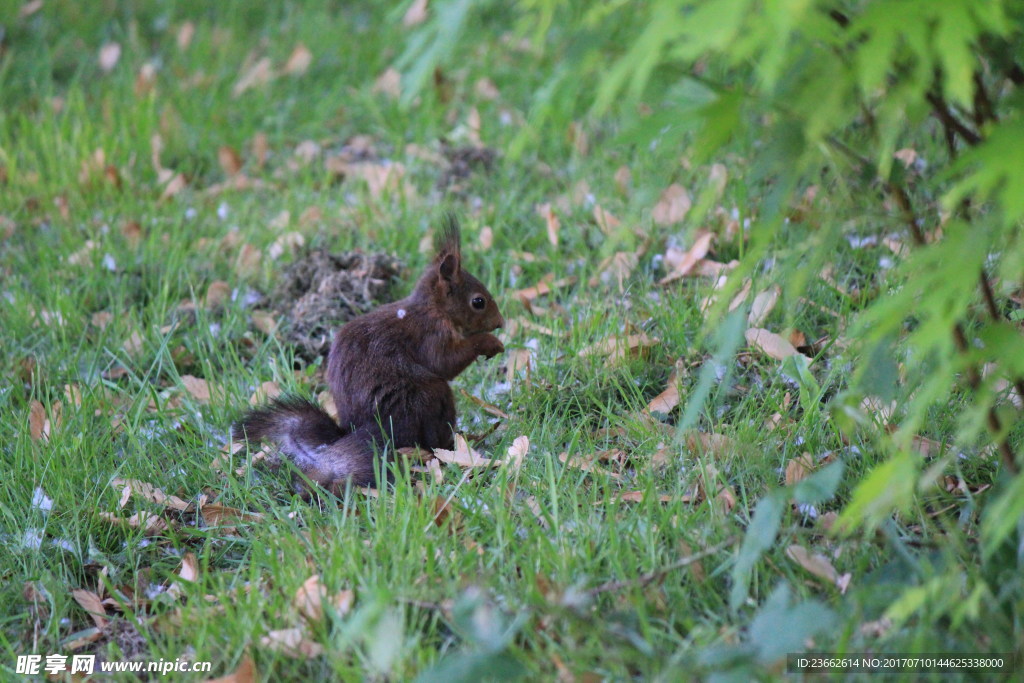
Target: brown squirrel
[(388, 371)]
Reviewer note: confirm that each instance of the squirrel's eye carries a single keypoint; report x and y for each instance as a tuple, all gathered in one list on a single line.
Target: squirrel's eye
[(478, 303)]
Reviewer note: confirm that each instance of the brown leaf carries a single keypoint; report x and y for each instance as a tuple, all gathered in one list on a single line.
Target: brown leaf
[(416, 14), (309, 598), (672, 206), (681, 263), (486, 238), (289, 242), (216, 514), (605, 220), (245, 673), (150, 524), (132, 232), (486, 89), (517, 452), (175, 185), (907, 155), (797, 469), (229, 161), (92, 604), (38, 424), (544, 287), (248, 262), (265, 322), (618, 347), (197, 387), (389, 83), (668, 399), (110, 54), (298, 61), (463, 455), (928, 448), (518, 361), (189, 569), (258, 74), (763, 304), (770, 343), (148, 492), (292, 642), (551, 221), (265, 392), (819, 566), (623, 179), (217, 294)]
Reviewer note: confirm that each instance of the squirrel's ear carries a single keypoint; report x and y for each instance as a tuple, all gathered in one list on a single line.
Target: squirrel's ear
[(448, 266)]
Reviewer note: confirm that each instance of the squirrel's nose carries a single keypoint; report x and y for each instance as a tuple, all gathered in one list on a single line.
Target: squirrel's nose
[(501, 322)]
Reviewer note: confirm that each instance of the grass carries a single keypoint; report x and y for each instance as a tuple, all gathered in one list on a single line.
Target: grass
[(518, 578)]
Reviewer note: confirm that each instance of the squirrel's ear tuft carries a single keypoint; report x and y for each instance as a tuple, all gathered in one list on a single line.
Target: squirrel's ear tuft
[(449, 237)]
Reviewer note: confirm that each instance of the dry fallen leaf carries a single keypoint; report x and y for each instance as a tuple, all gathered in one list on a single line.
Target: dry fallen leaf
[(248, 262), (292, 642), (605, 220), (147, 492), (818, 565), (260, 73), (217, 294), (517, 452), (797, 469), (463, 455), (298, 61), (770, 343), (38, 424), (186, 32), (309, 598), (668, 399), (245, 673), (518, 362), (92, 604), (544, 287), (229, 160), (150, 524), (681, 263), (763, 304), (189, 570), (389, 83), (618, 347), (264, 392), (552, 222), (197, 387), (289, 242), (672, 206)]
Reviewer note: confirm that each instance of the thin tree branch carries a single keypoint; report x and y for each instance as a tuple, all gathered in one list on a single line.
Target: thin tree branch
[(942, 112)]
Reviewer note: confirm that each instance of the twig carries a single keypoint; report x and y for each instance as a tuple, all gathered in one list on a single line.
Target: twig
[(650, 576), (942, 112)]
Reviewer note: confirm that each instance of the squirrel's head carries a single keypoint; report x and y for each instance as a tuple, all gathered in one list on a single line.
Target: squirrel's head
[(462, 298)]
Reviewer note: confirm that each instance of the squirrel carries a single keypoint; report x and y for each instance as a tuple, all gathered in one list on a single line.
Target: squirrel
[(388, 371)]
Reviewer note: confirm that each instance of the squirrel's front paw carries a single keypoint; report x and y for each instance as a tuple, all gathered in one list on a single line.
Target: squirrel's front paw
[(489, 345)]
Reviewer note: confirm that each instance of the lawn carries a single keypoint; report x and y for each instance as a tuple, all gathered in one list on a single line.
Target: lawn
[(164, 166)]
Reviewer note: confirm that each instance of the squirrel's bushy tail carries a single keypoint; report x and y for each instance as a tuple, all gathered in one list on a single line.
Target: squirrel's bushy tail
[(309, 437)]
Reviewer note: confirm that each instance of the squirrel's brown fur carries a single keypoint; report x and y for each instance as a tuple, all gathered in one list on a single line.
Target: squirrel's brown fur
[(388, 372)]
